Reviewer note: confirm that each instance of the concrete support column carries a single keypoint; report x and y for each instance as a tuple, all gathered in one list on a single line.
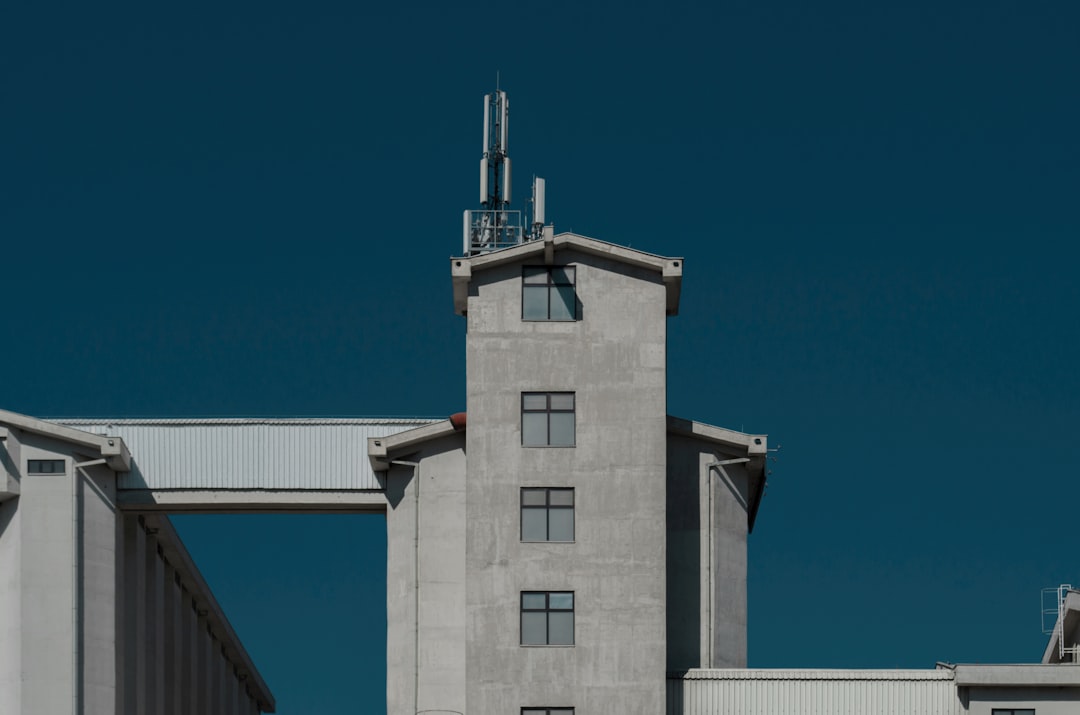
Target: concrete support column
[(172, 643), (155, 628), (203, 646), (134, 616), (188, 624)]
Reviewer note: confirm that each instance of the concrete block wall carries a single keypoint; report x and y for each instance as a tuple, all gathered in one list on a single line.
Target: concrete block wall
[(425, 579), (614, 360)]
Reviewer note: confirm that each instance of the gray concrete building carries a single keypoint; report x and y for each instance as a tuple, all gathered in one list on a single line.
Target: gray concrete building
[(564, 546), (565, 542)]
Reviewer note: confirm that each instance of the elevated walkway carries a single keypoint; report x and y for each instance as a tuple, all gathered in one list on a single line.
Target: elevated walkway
[(248, 464)]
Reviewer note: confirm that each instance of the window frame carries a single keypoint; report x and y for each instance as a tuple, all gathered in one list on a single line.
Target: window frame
[(547, 610), (548, 410), (1012, 711), (546, 710), (547, 507), (551, 285), (34, 466)]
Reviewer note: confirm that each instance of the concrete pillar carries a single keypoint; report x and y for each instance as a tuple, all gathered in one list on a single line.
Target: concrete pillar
[(100, 590), (203, 646), (47, 572), (155, 622), (172, 643), (134, 675), (188, 624), (10, 607)]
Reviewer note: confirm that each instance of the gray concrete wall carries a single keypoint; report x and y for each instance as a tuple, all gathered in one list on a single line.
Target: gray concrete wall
[(10, 584), (1045, 701), (706, 573), (425, 579), (614, 360), (48, 571), (174, 657), (10, 609)]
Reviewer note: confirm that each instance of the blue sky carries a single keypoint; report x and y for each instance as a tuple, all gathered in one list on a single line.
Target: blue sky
[(248, 209)]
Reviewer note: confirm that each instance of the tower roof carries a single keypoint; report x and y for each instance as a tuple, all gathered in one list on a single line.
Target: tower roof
[(462, 269)]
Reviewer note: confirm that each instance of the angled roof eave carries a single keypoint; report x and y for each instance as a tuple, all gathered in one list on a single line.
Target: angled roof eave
[(112, 449), (753, 446), (461, 269), (382, 450), (1070, 613)]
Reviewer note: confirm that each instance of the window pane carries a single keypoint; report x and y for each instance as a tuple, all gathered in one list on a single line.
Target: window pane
[(534, 429), (562, 275), (562, 429), (561, 711), (533, 628), (535, 274), (561, 628), (534, 401), (563, 599), (535, 497), (563, 303), (534, 600), (562, 497), (562, 400), (534, 525), (561, 525), (534, 303)]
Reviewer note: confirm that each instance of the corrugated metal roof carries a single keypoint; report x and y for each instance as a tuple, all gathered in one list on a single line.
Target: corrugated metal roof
[(248, 453), (802, 692)]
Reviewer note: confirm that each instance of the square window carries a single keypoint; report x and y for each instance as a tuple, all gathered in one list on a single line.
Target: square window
[(549, 293), (548, 419), (45, 466), (547, 618), (547, 514)]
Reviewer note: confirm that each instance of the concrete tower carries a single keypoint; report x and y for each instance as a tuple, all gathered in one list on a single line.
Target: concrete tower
[(562, 545)]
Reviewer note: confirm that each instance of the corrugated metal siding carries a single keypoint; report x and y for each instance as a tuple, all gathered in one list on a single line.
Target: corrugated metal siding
[(248, 454), (813, 692)]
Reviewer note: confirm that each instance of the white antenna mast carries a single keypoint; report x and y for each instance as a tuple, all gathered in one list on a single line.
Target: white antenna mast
[(495, 226)]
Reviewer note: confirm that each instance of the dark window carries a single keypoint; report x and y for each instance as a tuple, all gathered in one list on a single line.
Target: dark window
[(547, 618), (547, 419), (547, 514), (547, 711), (548, 293), (1013, 711), (45, 466)]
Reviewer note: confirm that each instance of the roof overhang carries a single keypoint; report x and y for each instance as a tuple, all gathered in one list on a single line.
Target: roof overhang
[(1019, 676), (755, 447), (383, 450), (111, 449), (462, 269)]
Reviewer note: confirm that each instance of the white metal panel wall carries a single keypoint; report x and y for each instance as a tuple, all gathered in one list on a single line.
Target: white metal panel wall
[(813, 692), (248, 453)]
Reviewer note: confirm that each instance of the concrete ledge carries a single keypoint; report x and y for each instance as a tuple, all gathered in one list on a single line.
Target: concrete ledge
[(1019, 676), (381, 450), (195, 501), (807, 674), (111, 449)]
